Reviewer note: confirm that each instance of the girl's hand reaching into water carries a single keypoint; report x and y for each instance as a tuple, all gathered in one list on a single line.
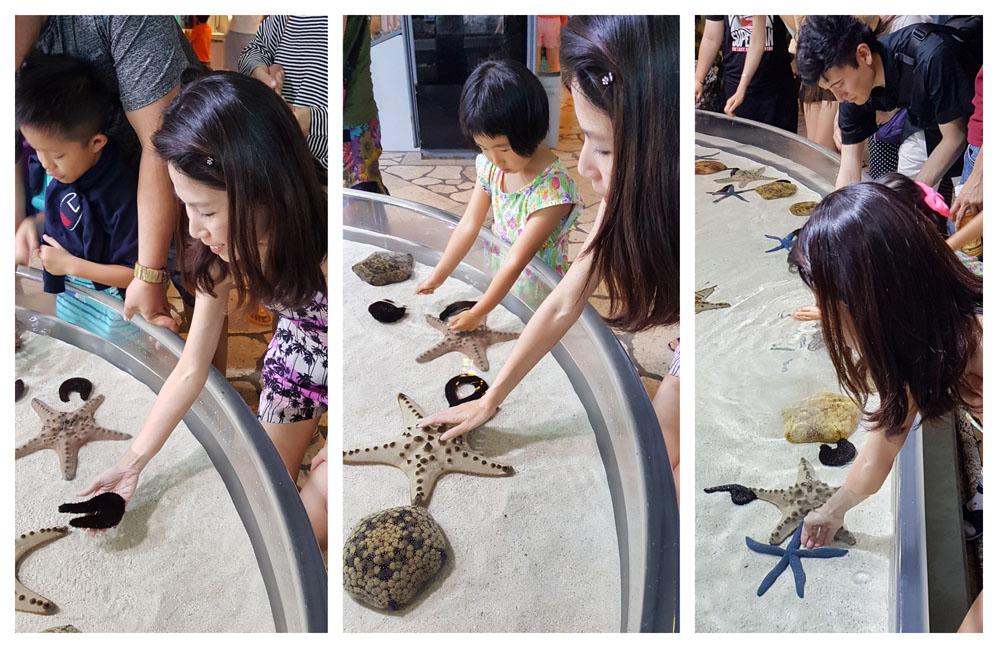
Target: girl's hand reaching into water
[(462, 418), (465, 321), (807, 313), (428, 286), (819, 528)]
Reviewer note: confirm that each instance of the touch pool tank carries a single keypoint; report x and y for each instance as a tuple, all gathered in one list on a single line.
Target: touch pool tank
[(628, 434), (264, 495), (816, 168)]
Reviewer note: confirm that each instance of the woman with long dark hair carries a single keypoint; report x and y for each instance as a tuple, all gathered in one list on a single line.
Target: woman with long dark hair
[(256, 216), (623, 75), (902, 318)]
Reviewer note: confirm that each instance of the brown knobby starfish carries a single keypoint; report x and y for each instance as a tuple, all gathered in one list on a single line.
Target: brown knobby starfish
[(742, 177), (66, 432), (423, 456), (701, 304), (26, 600), (796, 501), (472, 344)]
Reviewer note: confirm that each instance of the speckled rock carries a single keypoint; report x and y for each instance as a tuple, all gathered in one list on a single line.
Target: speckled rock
[(379, 269), (776, 190), (390, 555), (802, 208), (823, 417), (704, 167)]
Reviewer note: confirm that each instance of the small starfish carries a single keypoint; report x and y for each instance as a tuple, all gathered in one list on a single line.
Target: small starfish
[(700, 304), (472, 344), (743, 177), (423, 456), (25, 600), (798, 500), (728, 191), (791, 555), (66, 432), (785, 242)]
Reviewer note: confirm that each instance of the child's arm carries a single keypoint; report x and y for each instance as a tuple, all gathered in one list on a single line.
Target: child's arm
[(26, 238), (460, 242), (969, 232), (553, 319), (537, 229), (58, 261), (176, 396)]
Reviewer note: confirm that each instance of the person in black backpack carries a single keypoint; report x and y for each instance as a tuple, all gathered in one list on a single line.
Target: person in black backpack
[(927, 69)]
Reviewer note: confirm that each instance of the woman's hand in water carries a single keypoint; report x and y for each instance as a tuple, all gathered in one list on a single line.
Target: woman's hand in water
[(807, 313), (428, 286), (465, 321), (462, 418), (820, 527)]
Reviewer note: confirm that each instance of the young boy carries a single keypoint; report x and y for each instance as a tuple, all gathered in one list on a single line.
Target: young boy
[(76, 178)]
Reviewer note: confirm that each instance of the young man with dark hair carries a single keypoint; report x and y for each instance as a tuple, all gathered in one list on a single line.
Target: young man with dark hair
[(928, 70), (77, 181)]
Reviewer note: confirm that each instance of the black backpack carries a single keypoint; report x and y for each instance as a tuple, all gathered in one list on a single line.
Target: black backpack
[(967, 31)]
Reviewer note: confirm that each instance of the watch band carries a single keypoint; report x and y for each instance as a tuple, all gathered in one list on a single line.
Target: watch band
[(153, 276)]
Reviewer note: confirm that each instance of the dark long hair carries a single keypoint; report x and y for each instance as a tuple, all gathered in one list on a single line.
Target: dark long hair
[(891, 291), (233, 133), (637, 247)]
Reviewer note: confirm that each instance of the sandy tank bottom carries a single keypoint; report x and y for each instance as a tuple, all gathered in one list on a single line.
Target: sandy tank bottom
[(180, 560), (753, 360), (536, 551)]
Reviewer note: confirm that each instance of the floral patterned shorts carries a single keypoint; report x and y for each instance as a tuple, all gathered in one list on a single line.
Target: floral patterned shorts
[(293, 379)]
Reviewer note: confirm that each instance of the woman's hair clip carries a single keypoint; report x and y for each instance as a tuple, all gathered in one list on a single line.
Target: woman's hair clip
[(209, 161), (608, 78)]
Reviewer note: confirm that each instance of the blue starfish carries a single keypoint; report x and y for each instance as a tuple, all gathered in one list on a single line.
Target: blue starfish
[(729, 190), (786, 241), (791, 555)]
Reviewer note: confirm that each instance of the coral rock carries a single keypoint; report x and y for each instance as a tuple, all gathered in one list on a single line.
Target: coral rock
[(824, 417), (390, 555), (382, 268), (802, 208), (776, 190)]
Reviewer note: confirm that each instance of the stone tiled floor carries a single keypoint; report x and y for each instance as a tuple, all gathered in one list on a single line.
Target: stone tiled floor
[(446, 184)]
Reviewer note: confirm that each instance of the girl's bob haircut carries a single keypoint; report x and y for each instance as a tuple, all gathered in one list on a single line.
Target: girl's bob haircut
[(626, 66), (233, 133), (503, 98), (899, 309)]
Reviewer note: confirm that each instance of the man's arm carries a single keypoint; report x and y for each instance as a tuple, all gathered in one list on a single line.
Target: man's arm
[(850, 164), (953, 140), (157, 215)]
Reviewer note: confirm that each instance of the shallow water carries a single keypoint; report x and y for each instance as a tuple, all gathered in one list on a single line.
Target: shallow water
[(533, 552), (753, 360), (180, 560)]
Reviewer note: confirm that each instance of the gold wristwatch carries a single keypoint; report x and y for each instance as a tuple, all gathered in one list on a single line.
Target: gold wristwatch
[(153, 276)]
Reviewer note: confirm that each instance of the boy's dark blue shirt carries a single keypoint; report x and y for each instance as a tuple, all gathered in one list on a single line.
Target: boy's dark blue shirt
[(94, 218)]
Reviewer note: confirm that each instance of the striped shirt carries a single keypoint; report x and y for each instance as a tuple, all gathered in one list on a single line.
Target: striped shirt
[(300, 45)]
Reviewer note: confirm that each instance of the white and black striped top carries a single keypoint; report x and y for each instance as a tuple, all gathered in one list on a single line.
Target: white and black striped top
[(300, 45)]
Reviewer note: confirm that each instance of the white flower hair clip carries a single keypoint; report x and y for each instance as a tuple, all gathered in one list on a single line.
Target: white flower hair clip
[(608, 78), (209, 161)]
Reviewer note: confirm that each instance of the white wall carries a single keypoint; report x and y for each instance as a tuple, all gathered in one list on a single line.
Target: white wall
[(392, 94)]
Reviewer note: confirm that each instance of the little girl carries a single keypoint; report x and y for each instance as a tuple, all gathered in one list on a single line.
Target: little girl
[(902, 317), (504, 111), (257, 221)]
